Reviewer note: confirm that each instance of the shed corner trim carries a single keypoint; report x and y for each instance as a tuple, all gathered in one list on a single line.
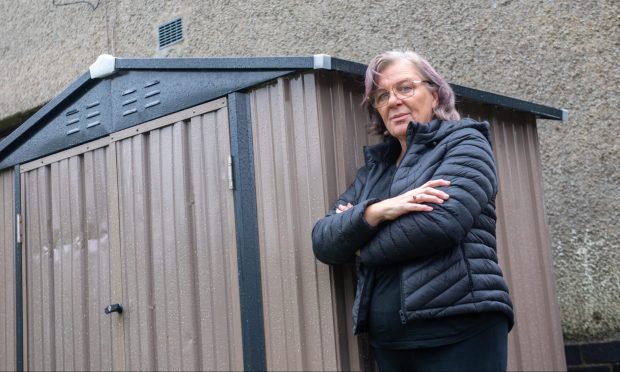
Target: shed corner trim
[(104, 66), (322, 61)]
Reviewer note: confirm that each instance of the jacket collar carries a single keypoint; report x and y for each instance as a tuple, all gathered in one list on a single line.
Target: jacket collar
[(386, 151), (423, 133), (429, 134), (389, 149)]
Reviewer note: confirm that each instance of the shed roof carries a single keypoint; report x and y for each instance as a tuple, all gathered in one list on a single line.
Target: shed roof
[(117, 93)]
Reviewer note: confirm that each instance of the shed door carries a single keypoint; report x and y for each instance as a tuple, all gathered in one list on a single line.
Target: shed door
[(142, 218)]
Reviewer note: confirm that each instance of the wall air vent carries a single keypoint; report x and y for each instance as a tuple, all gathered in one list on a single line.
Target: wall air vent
[(170, 32)]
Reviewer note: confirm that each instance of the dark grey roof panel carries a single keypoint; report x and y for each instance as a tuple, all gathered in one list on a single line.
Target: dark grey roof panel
[(216, 63), (79, 119), (26, 128), (97, 107), (541, 111), (141, 95), (237, 63), (348, 66), (140, 90)]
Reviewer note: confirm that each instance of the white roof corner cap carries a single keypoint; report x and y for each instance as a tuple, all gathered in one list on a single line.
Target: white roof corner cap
[(103, 66), (322, 61), (564, 114)]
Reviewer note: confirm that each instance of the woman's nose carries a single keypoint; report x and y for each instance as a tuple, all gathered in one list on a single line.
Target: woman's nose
[(394, 99)]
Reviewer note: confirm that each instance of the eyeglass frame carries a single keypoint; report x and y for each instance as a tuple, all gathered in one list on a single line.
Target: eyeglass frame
[(397, 95)]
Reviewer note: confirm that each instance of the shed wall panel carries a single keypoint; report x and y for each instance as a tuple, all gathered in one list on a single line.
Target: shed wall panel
[(343, 126), (179, 252), (297, 126), (7, 271), (524, 248), (67, 264)]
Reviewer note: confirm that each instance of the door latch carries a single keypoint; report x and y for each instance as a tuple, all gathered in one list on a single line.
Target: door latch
[(118, 308)]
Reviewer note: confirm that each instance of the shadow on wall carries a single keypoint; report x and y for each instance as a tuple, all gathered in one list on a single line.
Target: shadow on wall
[(10, 123)]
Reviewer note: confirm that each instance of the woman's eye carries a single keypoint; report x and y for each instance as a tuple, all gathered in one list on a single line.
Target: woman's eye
[(405, 89), (381, 97)]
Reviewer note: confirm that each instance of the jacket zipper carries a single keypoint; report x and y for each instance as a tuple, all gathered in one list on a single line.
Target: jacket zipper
[(401, 312), (403, 317), (392, 181)]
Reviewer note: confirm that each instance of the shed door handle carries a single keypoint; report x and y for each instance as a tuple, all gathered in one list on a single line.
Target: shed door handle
[(114, 308)]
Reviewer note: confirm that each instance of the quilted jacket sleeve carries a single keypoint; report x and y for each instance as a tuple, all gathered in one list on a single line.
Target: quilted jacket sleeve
[(469, 166), (337, 236)]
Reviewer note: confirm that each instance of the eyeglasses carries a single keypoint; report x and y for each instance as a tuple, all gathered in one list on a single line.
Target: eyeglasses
[(402, 90)]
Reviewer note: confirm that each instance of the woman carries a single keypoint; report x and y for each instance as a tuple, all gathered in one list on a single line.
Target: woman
[(420, 216)]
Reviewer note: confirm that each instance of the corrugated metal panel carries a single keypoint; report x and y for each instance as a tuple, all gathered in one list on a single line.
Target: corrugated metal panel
[(179, 255), (298, 126), (343, 127), (7, 271), (524, 248), (67, 264), (153, 201)]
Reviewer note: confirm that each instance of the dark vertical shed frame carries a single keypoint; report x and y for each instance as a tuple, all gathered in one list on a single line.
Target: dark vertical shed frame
[(248, 257), (30, 141), (19, 317)]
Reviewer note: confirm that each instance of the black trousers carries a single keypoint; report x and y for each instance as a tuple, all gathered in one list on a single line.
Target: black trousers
[(486, 351)]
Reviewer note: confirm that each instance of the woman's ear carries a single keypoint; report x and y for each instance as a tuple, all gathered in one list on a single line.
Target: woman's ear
[(435, 99)]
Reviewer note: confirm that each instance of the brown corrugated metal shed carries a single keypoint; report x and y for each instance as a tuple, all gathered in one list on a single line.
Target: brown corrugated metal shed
[(185, 191)]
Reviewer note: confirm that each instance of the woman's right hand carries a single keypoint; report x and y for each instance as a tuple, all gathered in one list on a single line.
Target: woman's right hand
[(412, 201), (343, 208)]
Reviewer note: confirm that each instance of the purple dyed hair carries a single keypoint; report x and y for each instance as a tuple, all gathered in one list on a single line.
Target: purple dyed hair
[(445, 109)]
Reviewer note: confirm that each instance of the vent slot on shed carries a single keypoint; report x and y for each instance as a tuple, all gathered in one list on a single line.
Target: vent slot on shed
[(170, 32)]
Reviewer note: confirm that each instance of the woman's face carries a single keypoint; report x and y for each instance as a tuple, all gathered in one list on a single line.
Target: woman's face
[(398, 112)]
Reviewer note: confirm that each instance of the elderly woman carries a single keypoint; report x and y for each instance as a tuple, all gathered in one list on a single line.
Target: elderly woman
[(420, 217)]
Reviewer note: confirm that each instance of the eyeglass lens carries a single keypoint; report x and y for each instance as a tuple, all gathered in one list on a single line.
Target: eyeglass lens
[(404, 89)]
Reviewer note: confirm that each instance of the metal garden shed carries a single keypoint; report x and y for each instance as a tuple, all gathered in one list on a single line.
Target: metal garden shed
[(184, 191)]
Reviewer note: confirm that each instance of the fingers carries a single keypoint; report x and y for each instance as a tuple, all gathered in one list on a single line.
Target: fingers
[(431, 192), (428, 193), (418, 207), (393, 208), (341, 208), (429, 198), (436, 183)]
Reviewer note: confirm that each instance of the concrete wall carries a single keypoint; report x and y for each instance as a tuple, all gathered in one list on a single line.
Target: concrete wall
[(560, 53)]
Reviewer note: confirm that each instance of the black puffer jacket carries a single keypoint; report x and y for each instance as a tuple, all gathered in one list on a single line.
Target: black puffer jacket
[(448, 256)]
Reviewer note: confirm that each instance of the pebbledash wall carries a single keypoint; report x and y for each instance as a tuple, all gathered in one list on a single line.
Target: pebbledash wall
[(560, 53)]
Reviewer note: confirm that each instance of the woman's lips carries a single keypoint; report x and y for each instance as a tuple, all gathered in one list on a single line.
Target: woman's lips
[(399, 116)]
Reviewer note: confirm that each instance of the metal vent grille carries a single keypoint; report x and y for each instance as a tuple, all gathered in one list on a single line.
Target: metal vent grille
[(170, 32)]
